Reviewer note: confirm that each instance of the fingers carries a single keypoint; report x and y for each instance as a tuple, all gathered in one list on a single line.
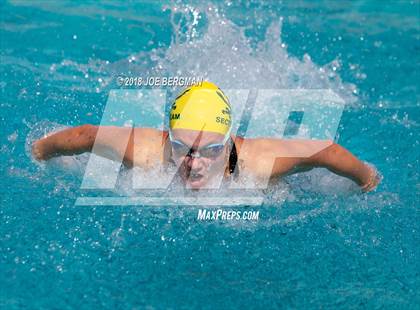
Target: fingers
[(373, 182), (37, 151)]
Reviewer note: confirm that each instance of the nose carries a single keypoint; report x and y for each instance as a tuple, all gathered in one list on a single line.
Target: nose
[(195, 163)]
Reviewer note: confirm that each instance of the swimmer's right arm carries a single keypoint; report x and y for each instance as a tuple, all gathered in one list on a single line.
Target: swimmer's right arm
[(112, 142)]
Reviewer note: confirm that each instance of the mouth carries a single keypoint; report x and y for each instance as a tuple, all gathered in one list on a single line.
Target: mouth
[(195, 179)]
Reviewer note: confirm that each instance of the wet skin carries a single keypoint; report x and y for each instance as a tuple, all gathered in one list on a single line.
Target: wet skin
[(263, 158)]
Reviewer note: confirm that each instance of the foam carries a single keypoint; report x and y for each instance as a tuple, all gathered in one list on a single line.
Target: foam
[(213, 47)]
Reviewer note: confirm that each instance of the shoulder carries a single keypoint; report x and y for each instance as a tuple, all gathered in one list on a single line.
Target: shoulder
[(149, 135), (148, 146), (291, 148), (269, 156), (266, 147), (149, 131)]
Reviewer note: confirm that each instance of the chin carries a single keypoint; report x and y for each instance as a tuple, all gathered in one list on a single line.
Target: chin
[(196, 184)]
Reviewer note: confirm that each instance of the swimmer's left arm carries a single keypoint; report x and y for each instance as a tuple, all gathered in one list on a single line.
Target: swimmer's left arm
[(340, 161), (296, 155)]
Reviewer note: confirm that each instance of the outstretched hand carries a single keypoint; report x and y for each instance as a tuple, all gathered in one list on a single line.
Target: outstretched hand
[(374, 180), (40, 149)]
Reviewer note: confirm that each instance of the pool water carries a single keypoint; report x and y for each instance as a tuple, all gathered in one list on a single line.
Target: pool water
[(325, 246)]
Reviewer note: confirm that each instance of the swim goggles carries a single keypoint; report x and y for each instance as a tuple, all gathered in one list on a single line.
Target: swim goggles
[(209, 151)]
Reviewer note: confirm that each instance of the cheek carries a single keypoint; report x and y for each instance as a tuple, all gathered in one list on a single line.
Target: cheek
[(178, 160), (181, 163), (216, 165)]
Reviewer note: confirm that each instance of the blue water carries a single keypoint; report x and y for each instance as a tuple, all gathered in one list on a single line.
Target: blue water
[(325, 247)]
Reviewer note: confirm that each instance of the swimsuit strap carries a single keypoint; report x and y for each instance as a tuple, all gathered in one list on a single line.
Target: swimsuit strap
[(233, 160)]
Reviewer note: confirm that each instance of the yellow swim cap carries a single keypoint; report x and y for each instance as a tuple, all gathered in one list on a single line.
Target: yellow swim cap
[(202, 107)]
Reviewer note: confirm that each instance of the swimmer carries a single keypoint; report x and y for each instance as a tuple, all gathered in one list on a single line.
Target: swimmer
[(200, 143)]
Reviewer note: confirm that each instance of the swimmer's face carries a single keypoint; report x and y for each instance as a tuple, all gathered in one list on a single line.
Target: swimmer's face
[(201, 156)]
